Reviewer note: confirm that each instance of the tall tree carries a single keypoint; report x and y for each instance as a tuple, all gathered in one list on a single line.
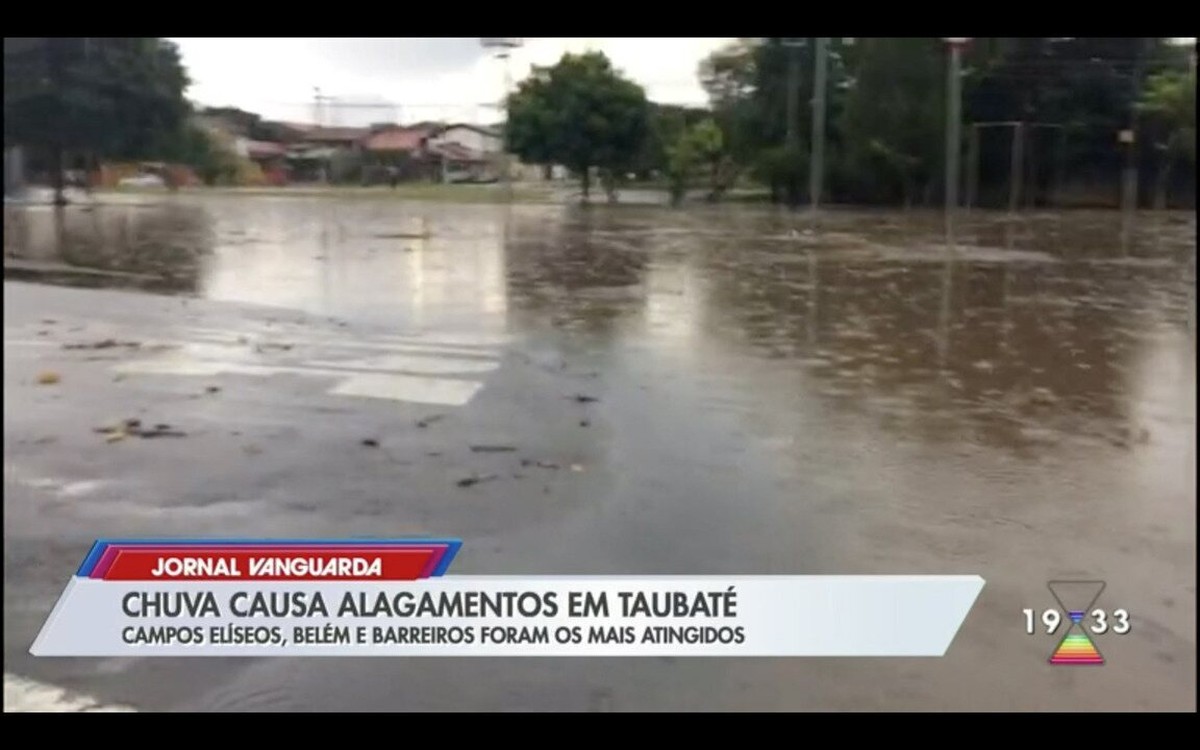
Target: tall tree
[(580, 113), (116, 97), (894, 115), (1169, 104)]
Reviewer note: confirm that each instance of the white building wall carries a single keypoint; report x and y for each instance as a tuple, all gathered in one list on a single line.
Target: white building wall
[(472, 139)]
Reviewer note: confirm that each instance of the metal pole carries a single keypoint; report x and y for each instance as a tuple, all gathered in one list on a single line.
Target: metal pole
[(973, 168), (1129, 181), (816, 172), (1014, 169), (1060, 167), (506, 177), (953, 137)]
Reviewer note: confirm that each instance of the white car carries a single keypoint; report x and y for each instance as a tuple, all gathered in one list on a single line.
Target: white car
[(143, 181)]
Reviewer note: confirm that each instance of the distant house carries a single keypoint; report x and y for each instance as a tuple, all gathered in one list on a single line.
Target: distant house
[(478, 138), (316, 153), (395, 152), (270, 157)]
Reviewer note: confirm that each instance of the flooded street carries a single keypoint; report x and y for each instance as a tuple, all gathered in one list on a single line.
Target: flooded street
[(724, 389)]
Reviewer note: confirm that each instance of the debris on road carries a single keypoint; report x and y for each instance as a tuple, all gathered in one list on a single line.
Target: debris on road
[(580, 398), (212, 389), (133, 427), (540, 464), (576, 467), (584, 423), (493, 448), (423, 423), (48, 377), (104, 344), (474, 480), (370, 442), (275, 347)]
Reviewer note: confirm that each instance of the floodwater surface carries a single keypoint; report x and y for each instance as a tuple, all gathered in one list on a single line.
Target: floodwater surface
[(777, 395)]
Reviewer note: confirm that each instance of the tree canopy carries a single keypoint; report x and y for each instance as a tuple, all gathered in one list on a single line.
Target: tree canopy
[(580, 113), (112, 97), (886, 110)]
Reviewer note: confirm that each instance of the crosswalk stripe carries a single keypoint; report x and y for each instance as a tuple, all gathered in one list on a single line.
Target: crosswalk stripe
[(22, 695)]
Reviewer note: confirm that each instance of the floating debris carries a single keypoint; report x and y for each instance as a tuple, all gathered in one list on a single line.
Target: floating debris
[(370, 442), (104, 344), (133, 427), (540, 464), (472, 481), (212, 389), (493, 448), (48, 377), (580, 398), (423, 423)]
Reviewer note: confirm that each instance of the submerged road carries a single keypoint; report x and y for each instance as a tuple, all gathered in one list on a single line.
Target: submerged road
[(758, 399)]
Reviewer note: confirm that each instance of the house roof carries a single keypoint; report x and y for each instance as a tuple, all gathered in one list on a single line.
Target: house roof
[(264, 149), (323, 134), (395, 139), (456, 152), (477, 128)]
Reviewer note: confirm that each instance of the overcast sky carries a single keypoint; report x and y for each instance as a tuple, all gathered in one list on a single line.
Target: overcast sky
[(434, 79)]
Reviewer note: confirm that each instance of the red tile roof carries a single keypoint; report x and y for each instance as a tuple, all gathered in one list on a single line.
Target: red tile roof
[(322, 134), (395, 139)]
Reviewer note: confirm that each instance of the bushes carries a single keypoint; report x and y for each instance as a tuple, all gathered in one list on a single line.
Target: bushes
[(785, 171)]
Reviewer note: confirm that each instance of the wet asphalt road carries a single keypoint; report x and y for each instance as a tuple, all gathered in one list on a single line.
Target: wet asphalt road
[(772, 398)]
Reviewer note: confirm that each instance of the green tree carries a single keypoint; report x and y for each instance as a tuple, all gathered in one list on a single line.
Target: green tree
[(1169, 103), (747, 84), (116, 97), (894, 116), (580, 113), (1087, 85)]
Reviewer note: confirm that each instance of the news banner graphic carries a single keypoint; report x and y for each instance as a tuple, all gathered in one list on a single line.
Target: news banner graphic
[(1077, 646), (392, 597)]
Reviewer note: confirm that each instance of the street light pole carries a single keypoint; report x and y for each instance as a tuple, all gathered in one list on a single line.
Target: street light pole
[(504, 47), (953, 132), (816, 172)]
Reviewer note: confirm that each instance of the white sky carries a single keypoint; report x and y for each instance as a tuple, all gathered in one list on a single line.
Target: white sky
[(426, 79)]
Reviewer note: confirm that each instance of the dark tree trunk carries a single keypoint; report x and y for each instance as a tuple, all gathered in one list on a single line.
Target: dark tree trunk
[(587, 183)]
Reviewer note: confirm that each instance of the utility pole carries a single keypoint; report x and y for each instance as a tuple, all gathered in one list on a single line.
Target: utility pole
[(504, 47), (816, 172), (1129, 179), (953, 132)]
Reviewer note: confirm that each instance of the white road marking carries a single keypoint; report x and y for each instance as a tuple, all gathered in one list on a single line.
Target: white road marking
[(398, 373), (411, 363), (20, 342), (25, 695), (60, 487), (409, 388)]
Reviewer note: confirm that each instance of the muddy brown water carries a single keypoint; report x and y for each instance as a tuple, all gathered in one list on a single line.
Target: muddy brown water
[(1020, 406)]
